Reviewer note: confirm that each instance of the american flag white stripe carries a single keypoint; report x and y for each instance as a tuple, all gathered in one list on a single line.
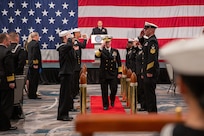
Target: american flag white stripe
[(161, 33), (87, 55), (141, 12)]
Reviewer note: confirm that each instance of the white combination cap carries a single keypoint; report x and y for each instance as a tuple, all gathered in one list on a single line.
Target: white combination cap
[(107, 38), (150, 25), (76, 30), (130, 40), (63, 33), (185, 56), (136, 39)]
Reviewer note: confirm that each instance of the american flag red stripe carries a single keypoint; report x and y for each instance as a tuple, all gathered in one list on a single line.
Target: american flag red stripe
[(125, 19), (140, 2)]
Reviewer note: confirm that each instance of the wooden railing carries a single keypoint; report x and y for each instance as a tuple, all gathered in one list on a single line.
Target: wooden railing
[(87, 124)]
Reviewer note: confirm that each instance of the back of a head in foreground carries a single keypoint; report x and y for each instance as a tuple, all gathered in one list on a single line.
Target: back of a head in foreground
[(186, 58)]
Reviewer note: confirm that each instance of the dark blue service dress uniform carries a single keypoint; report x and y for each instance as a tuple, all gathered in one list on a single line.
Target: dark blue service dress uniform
[(110, 67), (150, 64)]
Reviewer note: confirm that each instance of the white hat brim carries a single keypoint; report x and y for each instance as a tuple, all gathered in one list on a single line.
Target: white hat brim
[(185, 56)]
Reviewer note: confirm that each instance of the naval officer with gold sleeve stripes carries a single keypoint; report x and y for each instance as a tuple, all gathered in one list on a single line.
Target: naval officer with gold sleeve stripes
[(7, 84), (150, 68), (35, 65), (110, 70)]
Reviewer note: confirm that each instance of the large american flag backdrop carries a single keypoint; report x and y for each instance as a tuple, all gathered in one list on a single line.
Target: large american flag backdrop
[(122, 18)]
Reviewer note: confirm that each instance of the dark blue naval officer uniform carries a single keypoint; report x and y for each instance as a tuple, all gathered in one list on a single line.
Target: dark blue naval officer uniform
[(110, 67)]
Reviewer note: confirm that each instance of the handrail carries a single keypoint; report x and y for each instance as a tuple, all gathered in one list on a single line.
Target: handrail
[(90, 123)]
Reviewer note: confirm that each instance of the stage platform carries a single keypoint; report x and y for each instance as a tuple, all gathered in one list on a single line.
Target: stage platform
[(50, 72)]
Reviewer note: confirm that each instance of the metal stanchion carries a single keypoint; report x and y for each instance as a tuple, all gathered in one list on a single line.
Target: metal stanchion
[(83, 86), (133, 89), (178, 111), (123, 84), (83, 70), (121, 80), (128, 101)]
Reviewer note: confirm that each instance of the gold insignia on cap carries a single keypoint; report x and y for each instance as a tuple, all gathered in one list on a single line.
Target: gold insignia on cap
[(107, 38)]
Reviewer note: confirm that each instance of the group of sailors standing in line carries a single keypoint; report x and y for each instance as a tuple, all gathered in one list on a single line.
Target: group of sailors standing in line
[(144, 52), (13, 60), (142, 58)]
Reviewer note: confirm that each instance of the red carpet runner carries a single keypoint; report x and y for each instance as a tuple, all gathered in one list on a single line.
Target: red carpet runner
[(97, 106)]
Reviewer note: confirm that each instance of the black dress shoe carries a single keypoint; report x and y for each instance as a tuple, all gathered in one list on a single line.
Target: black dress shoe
[(112, 104), (13, 128), (105, 108), (65, 119), (17, 117), (38, 98), (34, 98), (141, 109), (73, 110)]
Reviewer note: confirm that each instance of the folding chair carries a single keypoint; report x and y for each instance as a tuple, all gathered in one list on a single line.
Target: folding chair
[(170, 72), (18, 94)]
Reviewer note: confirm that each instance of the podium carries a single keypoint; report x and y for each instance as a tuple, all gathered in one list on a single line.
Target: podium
[(97, 40)]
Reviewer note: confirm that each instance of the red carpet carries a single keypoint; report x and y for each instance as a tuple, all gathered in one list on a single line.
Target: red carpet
[(97, 106)]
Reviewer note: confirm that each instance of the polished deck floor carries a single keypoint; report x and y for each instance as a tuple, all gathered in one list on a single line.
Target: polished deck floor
[(40, 115)]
